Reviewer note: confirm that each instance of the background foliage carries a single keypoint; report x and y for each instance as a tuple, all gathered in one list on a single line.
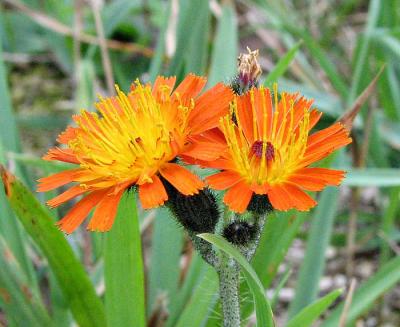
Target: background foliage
[(52, 65)]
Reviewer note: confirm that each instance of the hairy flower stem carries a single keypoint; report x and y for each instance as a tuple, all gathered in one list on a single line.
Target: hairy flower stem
[(204, 249), (251, 250), (229, 291)]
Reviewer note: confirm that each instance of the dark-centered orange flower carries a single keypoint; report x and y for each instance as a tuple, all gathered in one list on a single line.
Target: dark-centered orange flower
[(268, 151), (133, 141)]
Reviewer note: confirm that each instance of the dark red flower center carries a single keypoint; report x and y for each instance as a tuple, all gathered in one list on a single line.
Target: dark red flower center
[(257, 149)]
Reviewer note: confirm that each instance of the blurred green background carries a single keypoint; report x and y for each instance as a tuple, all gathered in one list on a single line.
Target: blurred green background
[(57, 55)]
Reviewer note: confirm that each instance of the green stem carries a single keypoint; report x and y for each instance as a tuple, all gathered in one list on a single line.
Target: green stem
[(229, 291), (205, 249)]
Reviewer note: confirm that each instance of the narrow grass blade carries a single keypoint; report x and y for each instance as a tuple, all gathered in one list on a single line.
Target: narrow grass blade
[(201, 301), (223, 59), (272, 249), (307, 316), (124, 276), (188, 15), (368, 292), (281, 284), (318, 240), (13, 234), (194, 276), (77, 288), (373, 177), (263, 308), (8, 127), (282, 65), (165, 258), (19, 303), (157, 60)]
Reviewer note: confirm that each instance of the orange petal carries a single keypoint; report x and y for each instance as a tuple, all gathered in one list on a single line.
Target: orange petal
[(322, 176), (56, 180), (324, 142), (263, 106), (65, 155), (205, 150), (302, 201), (182, 179), (79, 212), (223, 180), (284, 197), (104, 215), (245, 116), (190, 87), (161, 81), (66, 196), (67, 135), (153, 194), (209, 108), (238, 197)]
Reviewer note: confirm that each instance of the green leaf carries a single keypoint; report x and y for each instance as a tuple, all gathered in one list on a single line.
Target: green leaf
[(194, 276), (272, 249), (223, 59), (199, 304), (309, 314), (8, 127), (74, 282), (372, 177), (188, 15), (165, 258), (318, 240), (282, 65), (263, 308), (124, 276), (368, 292), (19, 302)]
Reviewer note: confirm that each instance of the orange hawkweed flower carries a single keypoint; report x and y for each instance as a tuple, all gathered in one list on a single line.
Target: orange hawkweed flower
[(134, 141), (268, 151)]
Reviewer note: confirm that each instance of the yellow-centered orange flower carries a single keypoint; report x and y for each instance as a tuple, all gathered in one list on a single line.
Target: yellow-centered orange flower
[(268, 151), (133, 141)]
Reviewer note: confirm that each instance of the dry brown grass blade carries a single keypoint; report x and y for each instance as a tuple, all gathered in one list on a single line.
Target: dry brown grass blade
[(347, 304), (348, 117), (60, 28)]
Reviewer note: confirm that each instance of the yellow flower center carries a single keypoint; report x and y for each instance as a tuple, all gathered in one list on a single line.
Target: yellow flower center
[(136, 134), (278, 144)]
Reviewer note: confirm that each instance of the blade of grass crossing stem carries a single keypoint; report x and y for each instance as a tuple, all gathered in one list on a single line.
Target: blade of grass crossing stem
[(124, 276), (165, 258), (318, 240), (263, 308), (368, 292), (19, 303), (272, 249), (85, 305), (201, 301), (224, 53), (307, 316), (282, 65)]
